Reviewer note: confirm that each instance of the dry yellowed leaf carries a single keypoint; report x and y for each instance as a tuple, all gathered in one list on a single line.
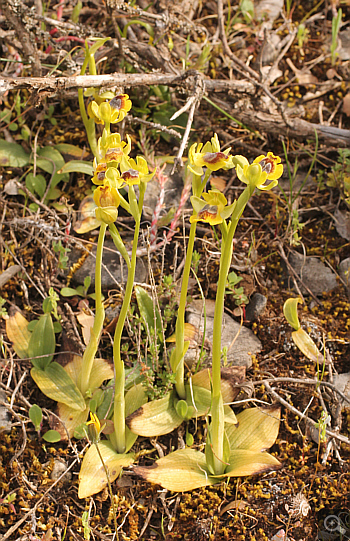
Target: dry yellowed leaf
[(86, 321)]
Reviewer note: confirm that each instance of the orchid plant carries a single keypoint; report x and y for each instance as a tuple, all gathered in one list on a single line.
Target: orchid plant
[(231, 449)]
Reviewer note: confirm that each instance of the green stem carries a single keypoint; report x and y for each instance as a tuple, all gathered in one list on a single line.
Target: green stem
[(178, 359), (89, 123), (91, 349), (217, 403), (119, 401)]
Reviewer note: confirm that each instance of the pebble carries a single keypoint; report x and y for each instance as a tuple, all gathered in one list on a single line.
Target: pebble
[(344, 271), (314, 274), (256, 307), (115, 272), (5, 416), (59, 467)]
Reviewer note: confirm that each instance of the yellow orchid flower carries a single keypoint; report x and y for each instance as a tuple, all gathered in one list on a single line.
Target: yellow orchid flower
[(209, 156), (99, 172), (110, 112), (132, 172), (212, 209), (254, 176), (271, 165), (107, 200), (113, 141)]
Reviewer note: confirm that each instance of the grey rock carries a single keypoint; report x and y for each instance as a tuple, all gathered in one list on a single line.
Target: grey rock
[(256, 307), (342, 383), (342, 223), (314, 274), (245, 343), (114, 272), (5, 416), (344, 271)]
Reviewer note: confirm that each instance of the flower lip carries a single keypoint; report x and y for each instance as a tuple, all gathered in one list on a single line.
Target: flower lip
[(130, 174), (114, 154), (270, 164), (214, 157), (208, 211)]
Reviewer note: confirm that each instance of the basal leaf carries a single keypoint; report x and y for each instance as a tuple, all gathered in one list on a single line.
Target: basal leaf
[(92, 476), (155, 418), (101, 371), (257, 429), (244, 462), (18, 333), (70, 418), (180, 471), (55, 383)]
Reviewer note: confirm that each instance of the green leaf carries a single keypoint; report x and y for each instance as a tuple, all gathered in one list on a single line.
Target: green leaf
[(49, 159), (36, 416), (92, 476), (33, 207), (149, 312), (42, 342), (18, 333), (257, 429), (53, 193), (72, 150), (99, 42), (78, 166), (290, 311), (57, 327), (182, 408), (52, 436), (183, 470), (12, 155), (36, 184), (307, 346), (55, 383), (68, 292)]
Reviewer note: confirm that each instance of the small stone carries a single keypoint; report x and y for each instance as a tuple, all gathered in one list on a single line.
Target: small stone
[(114, 272), (5, 416), (344, 272), (59, 467), (245, 343), (314, 274), (256, 307)]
